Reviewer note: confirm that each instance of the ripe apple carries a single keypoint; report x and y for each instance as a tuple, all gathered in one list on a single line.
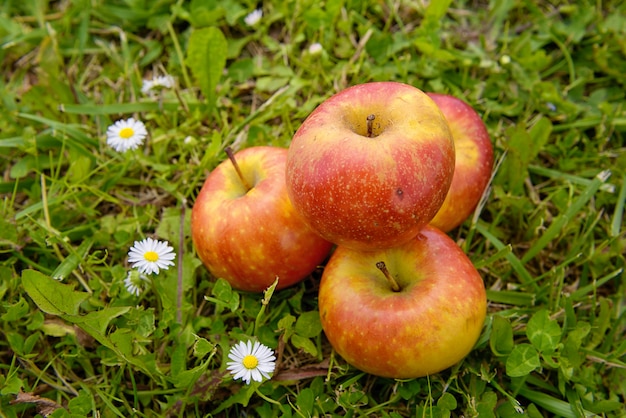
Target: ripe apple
[(245, 229), (474, 161), (428, 323), (371, 165)]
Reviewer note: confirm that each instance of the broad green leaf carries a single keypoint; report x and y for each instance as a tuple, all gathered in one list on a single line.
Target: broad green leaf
[(122, 341), (12, 385), (447, 401), (202, 347), (205, 12), (206, 56), (501, 341), (305, 400), (16, 311), (187, 378), (487, 405), (544, 333), (81, 404), (224, 296), (540, 133), (57, 328), (304, 343), (517, 158), (242, 397), (522, 360), (286, 324), (308, 324), (9, 234), (96, 322), (51, 296), (437, 9)]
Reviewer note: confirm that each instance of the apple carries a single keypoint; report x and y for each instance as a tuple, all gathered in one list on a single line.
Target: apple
[(371, 165), (245, 229), (474, 161), (404, 312)]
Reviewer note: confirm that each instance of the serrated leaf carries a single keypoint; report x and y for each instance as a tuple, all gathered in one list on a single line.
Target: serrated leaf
[(202, 347), (523, 359), (544, 333), (96, 322), (224, 295), (206, 56), (51, 296)]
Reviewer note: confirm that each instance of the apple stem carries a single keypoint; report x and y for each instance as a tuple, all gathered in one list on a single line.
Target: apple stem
[(231, 157), (383, 267), (370, 125)]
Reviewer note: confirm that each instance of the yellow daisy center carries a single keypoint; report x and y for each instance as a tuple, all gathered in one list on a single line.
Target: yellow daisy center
[(126, 132), (151, 256), (250, 362)]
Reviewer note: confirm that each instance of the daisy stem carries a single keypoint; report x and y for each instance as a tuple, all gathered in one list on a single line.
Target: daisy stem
[(258, 392), (231, 157)]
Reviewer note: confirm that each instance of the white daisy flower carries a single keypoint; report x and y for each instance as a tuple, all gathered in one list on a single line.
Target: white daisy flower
[(315, 48), (126, 134), (251, 361), (254, 17), (149, 255), (134, 282), (160, 82)]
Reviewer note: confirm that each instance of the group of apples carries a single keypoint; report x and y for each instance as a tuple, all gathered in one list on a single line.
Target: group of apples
[(371, 182)]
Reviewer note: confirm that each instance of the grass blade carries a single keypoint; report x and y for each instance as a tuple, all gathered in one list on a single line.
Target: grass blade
[(523, 274), (617, 223), (557, 226), (550, 403)]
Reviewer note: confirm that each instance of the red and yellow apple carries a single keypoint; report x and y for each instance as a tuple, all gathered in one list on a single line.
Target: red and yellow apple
[(429, 322), (245, 229), (474, 161), (371, 165)]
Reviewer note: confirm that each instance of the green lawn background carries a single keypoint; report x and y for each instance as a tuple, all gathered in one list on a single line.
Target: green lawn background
[(548, 79)]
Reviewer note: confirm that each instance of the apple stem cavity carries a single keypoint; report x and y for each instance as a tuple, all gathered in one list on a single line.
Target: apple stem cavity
[(231, 156), (383, 267), (370, 125)]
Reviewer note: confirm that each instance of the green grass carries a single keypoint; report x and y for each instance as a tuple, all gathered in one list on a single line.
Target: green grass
[(548, 78)]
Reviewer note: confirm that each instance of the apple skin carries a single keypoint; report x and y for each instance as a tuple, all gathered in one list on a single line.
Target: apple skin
[(373, 192), (251, 238), (474, 161), (429, 325)]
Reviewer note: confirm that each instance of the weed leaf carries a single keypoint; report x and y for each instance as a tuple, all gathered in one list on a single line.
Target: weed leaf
[(544, 333), (206, 56), (51, 296), (501, 340), (522, 360)]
